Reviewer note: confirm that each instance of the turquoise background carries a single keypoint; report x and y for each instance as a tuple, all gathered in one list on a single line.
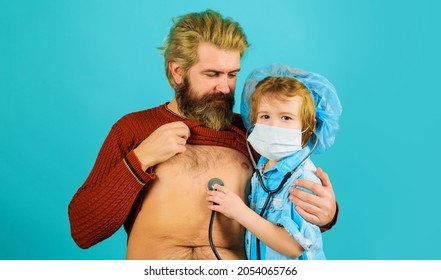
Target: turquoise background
[(70, 69)]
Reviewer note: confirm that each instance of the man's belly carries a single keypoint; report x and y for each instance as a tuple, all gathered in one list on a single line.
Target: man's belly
[(174, 219)]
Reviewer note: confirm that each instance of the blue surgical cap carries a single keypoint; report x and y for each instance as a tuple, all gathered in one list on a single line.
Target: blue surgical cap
[(327, 104)]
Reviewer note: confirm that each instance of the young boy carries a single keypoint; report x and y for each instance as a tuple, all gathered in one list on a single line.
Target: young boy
[(294, 114)]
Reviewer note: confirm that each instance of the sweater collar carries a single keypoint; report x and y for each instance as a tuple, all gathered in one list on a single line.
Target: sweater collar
[(231, 137)]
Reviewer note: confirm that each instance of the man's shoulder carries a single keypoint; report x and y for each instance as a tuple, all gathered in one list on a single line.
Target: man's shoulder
[(141, 115), (142, 121)]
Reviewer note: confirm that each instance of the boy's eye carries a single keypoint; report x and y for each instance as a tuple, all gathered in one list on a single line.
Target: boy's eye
[(286, 118), (265, 117)]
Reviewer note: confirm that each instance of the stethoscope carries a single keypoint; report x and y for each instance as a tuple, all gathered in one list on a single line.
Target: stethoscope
[(270, 192), (267, 190)]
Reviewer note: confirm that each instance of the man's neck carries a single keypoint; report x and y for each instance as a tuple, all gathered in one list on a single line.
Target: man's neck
[(173, 107)]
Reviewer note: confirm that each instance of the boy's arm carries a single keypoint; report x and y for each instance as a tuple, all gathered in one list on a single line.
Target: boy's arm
[(232, 206), (319, 208)]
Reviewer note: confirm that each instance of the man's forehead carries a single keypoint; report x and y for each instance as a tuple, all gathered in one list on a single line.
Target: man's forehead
[(215, 59)]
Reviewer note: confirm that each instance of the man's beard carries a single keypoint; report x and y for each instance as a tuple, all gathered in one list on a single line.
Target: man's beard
[(215, 110)]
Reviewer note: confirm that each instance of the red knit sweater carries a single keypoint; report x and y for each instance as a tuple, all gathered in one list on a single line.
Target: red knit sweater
[(111, 195)]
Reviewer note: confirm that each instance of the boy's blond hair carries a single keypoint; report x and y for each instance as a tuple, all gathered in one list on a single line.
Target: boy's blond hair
[(279, 88)]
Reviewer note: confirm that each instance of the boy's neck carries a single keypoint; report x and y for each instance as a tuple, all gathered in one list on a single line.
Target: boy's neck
[(269, 164)]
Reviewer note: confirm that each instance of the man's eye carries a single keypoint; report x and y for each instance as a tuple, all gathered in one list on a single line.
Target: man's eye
[(211, 75), (232, 75)]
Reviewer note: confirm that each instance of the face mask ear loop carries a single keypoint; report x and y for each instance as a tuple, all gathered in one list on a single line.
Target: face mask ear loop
[(305, 129)]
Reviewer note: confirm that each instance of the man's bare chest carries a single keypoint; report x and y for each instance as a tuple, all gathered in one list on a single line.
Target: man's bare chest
[(181, 183), (201, 159)]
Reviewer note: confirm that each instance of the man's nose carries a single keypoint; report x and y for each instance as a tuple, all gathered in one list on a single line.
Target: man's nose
[(223, 86)]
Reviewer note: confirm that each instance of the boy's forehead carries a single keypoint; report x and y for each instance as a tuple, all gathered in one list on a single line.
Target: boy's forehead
[(277, 98), (287, 103)]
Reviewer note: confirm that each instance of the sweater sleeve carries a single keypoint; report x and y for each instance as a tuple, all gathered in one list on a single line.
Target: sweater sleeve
[(333, 222), (102, 204)]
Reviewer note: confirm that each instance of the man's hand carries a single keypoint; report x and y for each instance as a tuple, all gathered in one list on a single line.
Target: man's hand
[(318, 209), (165, 142)]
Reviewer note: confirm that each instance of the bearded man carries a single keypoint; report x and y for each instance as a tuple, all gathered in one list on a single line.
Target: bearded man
[(152, 171)]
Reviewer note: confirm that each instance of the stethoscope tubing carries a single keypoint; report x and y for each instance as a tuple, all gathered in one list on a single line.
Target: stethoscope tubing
[(276, 190)]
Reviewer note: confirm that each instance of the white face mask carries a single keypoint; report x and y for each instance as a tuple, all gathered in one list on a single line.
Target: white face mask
[(275, 143)]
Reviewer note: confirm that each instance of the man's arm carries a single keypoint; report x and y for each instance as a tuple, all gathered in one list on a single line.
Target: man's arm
[(319, 208), (103, 202), (122, 169)]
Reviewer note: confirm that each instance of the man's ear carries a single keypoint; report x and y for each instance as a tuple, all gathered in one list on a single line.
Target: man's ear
[(175, 70)]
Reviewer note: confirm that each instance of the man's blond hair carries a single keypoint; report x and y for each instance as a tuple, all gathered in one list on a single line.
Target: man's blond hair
[(189, 30)]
